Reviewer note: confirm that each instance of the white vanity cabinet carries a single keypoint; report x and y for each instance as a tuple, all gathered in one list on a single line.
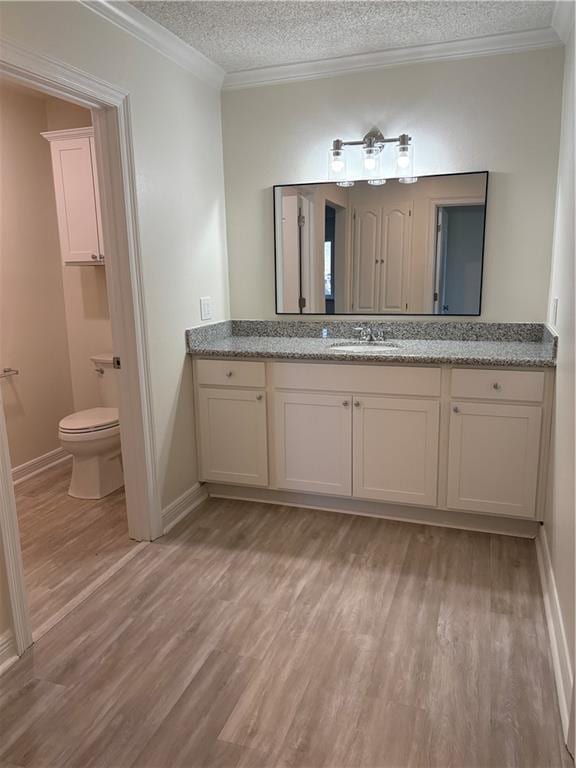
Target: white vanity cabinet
[(232, 423), (436, 437), (494, 446), (395, 449), (77, 197), (313, 442)]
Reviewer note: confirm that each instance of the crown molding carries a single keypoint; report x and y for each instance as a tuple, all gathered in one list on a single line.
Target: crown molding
[(461, 49), (160, 39), (563, 19)]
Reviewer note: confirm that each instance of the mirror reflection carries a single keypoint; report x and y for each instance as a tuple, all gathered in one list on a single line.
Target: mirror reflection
[(388, 249)]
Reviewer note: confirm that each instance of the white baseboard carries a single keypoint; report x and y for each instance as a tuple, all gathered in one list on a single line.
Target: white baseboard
[(34, 467), (8, 653), (182, 506), (563, 672), (444, 518)]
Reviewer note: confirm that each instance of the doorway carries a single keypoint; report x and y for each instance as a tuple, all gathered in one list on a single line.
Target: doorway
[(459, 247), (113, 147)]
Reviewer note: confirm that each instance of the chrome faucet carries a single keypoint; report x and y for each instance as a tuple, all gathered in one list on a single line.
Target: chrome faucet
[(368, 335)]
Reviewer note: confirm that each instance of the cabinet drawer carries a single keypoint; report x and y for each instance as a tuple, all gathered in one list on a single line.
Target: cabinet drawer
[(527, 386), (232, 373), (338, 377)]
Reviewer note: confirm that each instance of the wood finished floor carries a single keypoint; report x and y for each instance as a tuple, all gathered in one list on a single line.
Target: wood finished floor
[(66, 543), (254, 635)]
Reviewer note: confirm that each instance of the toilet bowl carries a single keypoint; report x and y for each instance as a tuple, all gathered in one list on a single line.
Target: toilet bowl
[(93, 439)]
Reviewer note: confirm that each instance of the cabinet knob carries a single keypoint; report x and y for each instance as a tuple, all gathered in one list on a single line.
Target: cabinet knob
[(357, 404), (496, 385), (456, 409), (100, 257), (259, 396), (94, 256), (228, 374), (345, 403)]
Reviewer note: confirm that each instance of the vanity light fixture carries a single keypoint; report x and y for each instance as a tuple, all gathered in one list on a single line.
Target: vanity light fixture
[(372, 146)]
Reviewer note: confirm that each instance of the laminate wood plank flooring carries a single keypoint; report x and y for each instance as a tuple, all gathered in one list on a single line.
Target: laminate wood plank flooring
[(67, 544), (272, 637)]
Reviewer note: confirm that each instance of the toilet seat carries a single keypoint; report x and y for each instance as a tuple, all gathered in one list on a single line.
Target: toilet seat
[(90, 421)]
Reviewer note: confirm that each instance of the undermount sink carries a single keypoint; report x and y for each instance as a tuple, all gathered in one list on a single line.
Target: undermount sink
[(366, 346)]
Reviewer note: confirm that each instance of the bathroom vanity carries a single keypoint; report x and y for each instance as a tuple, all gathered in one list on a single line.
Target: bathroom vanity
[(441, 421)]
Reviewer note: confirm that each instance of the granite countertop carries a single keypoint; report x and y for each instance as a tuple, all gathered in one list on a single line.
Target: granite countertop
[(522, 345)]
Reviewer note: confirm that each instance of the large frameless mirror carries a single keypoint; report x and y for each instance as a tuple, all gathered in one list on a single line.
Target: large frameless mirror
[(387, 248)]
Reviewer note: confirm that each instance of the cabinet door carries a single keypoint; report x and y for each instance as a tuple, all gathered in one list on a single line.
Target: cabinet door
[(396, 449), (365, 259), (493, 458), (394, 258), (233, 445), (313, 434), (76, 200)]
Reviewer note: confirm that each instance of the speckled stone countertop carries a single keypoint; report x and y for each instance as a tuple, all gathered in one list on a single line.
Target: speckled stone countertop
[(523, 345)]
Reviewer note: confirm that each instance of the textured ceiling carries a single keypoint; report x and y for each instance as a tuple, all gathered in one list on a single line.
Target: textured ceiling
[(243, 35)]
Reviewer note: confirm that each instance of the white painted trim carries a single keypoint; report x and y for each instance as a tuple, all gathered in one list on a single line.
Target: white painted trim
[(8, 653), (35, 466), (164, 42), (10, 542), (563, 19), (183, 505), (406, 513), (69, 133), (512, 42), (561, 661), (113, 138)]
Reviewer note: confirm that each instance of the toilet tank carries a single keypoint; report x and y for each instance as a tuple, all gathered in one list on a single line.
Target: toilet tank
[(107, 380)]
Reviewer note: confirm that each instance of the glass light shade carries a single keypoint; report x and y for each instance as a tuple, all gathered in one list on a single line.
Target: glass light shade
[(337, 164), (345, 183), (376, 182), (405, 164)]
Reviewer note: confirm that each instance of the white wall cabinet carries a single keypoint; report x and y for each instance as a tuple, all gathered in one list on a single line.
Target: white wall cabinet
[(313, 446), (493, 458), (233, 436), (77, 198), (396, 449)]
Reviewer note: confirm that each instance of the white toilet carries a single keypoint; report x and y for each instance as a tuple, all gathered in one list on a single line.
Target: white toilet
[(93, 439)]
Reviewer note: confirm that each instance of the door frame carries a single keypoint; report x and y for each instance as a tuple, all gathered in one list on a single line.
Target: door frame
[(110, 107), (432, 239)]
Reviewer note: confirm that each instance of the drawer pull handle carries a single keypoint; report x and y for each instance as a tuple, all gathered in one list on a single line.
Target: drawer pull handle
[(357, 404), (228, 374), (345, 403), (456, 409), (496, 385), (259, 397)]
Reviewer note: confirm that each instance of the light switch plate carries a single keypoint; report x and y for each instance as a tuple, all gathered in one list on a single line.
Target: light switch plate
[(205, 308)]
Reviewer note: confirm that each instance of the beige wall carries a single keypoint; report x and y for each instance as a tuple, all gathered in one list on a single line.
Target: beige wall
[(180, 200), (559, 523), (85, 294), (32, 320), (499, 113)]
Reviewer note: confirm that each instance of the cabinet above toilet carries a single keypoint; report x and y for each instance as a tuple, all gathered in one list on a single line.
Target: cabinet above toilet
[(77, 196)]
